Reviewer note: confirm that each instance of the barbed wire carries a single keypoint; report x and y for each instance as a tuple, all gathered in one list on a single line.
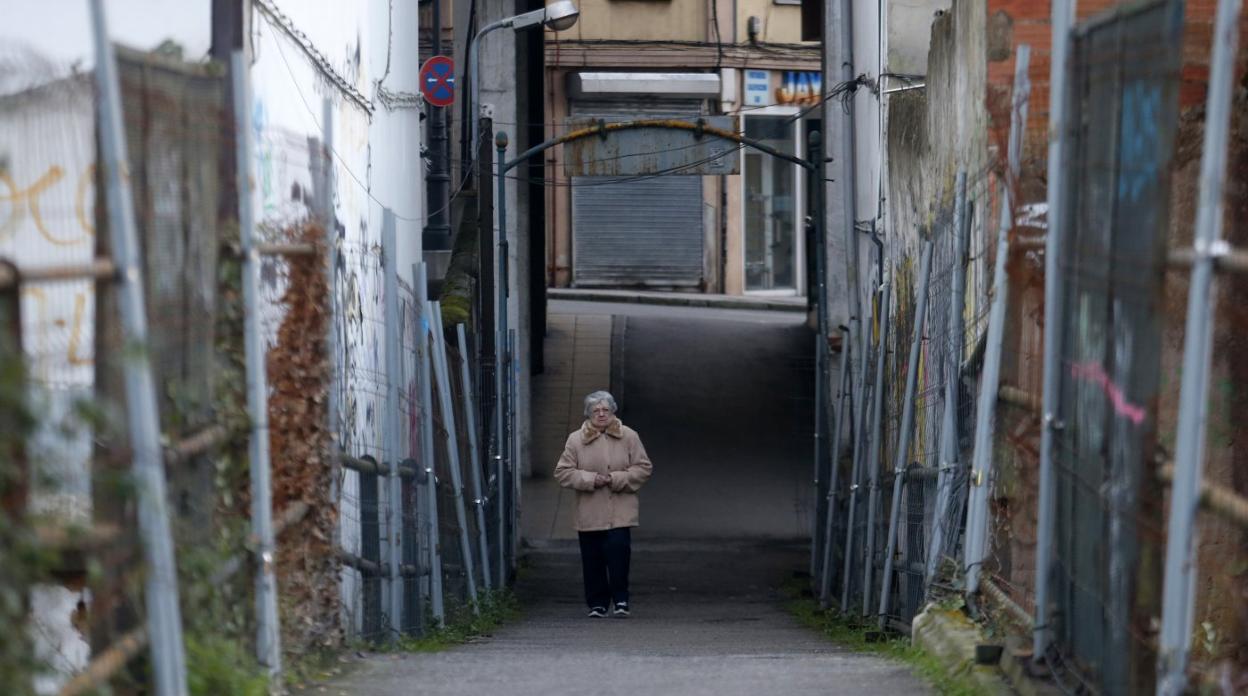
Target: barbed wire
[(281, 21)]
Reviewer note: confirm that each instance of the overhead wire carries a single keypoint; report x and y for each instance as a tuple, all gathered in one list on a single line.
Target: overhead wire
[(341, 161)]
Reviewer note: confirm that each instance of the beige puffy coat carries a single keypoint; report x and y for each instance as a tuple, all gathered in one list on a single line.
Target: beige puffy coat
[(616, 452)]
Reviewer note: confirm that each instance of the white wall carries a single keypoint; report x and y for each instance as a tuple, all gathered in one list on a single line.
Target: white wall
[(377, 165)]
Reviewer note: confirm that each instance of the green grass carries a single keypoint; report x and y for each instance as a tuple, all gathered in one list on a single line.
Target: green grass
[(852, 633), (463, 625), (218, 665)]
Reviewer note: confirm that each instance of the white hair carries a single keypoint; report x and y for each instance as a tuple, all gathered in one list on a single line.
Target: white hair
[(599, 397)]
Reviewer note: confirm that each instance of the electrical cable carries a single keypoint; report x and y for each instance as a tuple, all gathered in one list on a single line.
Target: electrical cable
[(341, 161)]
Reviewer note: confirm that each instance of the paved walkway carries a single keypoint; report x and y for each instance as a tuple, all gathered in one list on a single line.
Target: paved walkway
[(708, 620), (578, 362), (722, 400)]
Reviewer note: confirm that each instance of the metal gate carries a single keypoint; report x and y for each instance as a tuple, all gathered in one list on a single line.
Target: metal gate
[(637, 231), (1121, 121)]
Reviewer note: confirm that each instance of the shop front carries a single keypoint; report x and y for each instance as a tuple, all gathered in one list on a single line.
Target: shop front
[(772, 191)]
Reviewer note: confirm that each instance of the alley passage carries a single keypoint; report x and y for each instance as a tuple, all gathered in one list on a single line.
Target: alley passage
[(722, 400)]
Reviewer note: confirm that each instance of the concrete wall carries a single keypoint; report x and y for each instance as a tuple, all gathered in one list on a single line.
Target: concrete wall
[(935, 132), (894, 38)]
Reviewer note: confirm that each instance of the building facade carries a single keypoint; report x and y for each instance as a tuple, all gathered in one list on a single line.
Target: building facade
[(732, 233)]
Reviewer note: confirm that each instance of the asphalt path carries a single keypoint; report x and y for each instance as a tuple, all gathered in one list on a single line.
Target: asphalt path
[(708, 620), (723, 402)]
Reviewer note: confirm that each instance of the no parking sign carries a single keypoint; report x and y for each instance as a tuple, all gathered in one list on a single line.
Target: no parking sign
[(437, 81)]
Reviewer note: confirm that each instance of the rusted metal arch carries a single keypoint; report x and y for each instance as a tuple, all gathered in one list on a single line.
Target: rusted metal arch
[(699, 128)]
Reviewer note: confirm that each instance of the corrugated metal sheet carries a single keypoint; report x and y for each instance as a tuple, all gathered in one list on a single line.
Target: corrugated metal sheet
[(638, 232), (646, 232)]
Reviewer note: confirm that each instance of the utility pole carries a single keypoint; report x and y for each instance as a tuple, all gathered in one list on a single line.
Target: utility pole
[(437, 233)]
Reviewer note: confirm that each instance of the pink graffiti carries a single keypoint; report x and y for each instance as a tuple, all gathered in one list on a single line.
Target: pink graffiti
[(1093, 372)]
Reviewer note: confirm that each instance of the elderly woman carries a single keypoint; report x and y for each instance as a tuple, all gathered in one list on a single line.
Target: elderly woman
[(606, 465)]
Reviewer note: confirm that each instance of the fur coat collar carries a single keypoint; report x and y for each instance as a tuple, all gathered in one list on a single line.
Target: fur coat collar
[(589, 433)]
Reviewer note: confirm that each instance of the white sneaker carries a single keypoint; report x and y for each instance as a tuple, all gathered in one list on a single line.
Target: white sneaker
[(597, 612), (621, 610)]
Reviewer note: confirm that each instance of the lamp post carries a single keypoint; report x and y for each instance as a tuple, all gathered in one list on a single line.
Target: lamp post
[(557, 16)]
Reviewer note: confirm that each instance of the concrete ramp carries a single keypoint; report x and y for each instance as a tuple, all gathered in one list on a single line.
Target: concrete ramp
[(723, 400)]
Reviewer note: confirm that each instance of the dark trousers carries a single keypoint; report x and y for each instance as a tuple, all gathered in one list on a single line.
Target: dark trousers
[(604, 562)]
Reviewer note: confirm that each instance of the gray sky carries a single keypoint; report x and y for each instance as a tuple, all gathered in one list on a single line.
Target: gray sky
[(60, 30)]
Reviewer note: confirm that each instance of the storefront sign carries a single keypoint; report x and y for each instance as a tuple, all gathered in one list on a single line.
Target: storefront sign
[(783, 87), (799, 87), (757, 88)]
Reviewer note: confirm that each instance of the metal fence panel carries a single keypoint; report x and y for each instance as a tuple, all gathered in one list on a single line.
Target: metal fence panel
[(1123, 108)]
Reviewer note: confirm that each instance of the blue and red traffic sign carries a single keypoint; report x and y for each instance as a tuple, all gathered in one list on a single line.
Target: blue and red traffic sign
[(437, 81)]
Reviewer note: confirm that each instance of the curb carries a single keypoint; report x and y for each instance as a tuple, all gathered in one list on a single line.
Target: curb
[(674, 299), (951, 640)]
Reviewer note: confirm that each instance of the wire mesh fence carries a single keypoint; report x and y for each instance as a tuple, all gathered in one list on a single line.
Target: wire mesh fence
[(968, 490), (1123, 116), (931, 479), (355, 539)]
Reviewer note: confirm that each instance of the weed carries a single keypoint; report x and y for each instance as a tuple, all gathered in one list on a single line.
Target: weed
[(463, 625), (852, 633), (218, 665)]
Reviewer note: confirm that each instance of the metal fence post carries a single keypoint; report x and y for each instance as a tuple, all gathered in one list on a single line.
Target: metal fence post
[(392, 547), (858, 420), (425, 371), (814, 154), (164, 618), (947, 453), (331, 271), (441, 372), (268, 637), (949, 448), (501, 359), (990, 380), (873, 459), (1181, 546), (474, 456), (906, 432), (821, 349), (513, 470), (1062, 19), (825, 578)]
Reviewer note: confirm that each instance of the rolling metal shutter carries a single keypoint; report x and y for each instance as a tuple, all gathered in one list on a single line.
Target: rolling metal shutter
[(638, 232)]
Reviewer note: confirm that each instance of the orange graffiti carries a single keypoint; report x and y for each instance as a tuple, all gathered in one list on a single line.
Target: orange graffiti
[(85, 183), (27, 201), (73, 351), (75, 331)]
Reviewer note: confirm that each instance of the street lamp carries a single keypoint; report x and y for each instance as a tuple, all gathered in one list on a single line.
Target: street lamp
[(557, 16)]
